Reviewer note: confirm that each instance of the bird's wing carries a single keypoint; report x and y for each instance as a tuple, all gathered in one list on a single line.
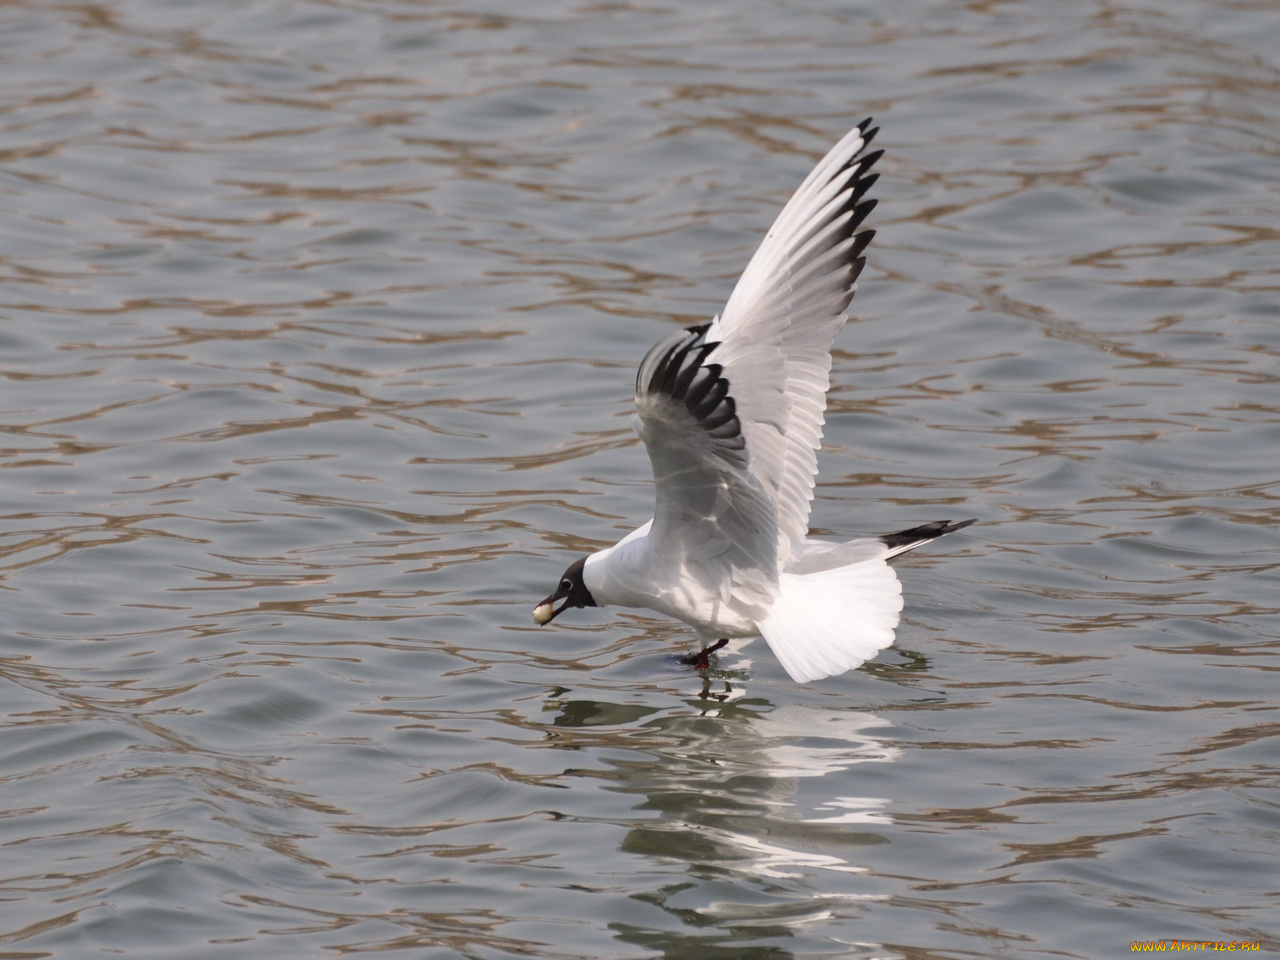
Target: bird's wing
[(715, 523), (775, 334)]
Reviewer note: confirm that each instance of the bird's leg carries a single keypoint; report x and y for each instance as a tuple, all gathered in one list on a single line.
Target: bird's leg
[(702, 659)]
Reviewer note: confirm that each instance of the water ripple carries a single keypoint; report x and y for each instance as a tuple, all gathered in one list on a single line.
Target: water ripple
[(320, 321)]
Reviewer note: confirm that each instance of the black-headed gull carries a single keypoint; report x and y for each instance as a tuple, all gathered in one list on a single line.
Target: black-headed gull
[(731, 413)]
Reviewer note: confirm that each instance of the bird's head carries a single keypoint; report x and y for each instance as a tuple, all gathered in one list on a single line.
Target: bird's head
[(571, 589)]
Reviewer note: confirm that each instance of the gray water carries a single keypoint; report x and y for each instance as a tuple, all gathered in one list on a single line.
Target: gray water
[(320, 320)]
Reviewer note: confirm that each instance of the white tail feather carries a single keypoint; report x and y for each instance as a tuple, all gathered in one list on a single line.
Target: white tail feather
[(831, 621)]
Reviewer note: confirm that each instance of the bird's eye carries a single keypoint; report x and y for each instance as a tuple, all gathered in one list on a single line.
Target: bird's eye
[(568, 585)]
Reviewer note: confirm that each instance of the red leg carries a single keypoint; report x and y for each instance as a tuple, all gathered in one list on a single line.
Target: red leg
[(702, 659)]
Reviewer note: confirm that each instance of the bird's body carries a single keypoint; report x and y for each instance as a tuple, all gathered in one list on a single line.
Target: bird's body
[(731, 414)]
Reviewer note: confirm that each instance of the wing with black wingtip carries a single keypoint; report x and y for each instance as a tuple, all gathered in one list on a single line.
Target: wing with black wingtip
[(779, 324), (720, 519)]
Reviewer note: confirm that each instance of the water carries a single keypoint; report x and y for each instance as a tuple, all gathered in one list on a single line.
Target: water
[(319, 324)]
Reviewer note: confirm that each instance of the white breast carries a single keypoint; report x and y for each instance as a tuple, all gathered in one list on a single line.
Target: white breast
[(624, 575)]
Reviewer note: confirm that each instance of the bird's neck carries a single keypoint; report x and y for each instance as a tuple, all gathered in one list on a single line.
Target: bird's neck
[(620, 575)]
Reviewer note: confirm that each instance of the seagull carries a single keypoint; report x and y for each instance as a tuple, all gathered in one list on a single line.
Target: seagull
[(731, 414)]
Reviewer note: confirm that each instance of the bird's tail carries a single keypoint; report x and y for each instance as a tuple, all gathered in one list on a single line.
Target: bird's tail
[(839, 605), (827, 622)]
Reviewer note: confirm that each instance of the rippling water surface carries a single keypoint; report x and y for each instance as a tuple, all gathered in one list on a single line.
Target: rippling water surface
[(319, 325)]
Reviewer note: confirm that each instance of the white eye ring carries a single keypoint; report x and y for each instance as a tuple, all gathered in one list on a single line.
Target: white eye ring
[(567, 584)]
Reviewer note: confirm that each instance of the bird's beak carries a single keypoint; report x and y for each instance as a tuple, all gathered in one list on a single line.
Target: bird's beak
[(546, 611)]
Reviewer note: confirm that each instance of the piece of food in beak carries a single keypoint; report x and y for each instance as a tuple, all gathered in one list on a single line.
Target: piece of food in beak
[(543, 612)]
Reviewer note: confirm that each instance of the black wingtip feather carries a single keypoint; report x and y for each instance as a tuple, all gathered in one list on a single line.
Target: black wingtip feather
[(708, 395), (696, 391), (725, 411), (862, 209), (867, 160), (857, 166), (683, 374), (860, 241), (929, 531), (860, 187), (692, 363)]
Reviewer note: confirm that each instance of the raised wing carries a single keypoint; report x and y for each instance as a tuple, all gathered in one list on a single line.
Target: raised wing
[(776, 332), (712, 515)]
